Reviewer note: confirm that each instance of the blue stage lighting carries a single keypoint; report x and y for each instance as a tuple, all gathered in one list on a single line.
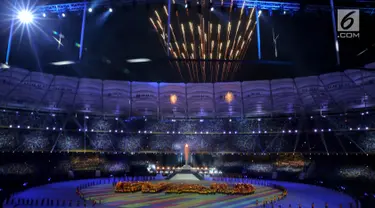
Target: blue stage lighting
[(25, 17), (44, 15), (212, 9), (63, 15), (90, 9), (110, 10)]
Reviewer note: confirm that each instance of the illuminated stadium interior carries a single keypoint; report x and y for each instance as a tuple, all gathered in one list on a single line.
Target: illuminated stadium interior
[(228, 103)]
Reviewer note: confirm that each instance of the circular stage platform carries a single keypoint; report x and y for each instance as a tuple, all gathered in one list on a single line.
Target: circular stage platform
[(297, 194), (138, 199)]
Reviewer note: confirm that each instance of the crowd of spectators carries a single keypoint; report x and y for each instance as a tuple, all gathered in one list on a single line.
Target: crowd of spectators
[(115, 167), (357, 172), (35, 141), (102, 141), (129, 144), (17, 169), (7, 140), (367, 141), (32, 131), (68, 142), (260, 168)]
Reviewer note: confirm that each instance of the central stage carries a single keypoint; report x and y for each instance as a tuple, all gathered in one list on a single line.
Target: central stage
[(184, 177)]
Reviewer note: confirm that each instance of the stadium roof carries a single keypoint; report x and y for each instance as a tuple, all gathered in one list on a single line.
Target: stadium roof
[(112, 39), (332, 92)]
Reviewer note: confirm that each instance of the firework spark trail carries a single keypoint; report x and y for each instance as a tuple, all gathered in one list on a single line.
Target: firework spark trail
[(159, 23), (239, 24), (177, 47), (189, 63), (218, 54), (209, 46), (166, 48), (156, 29), (201, 39), (228, 41), (194, 53), (186, 51), (184, 45), (229, 28), (165, 10), (246, 45), (203, 44), (247, 39), (180, 54), (211, 65), (236, 42), (225, 58)]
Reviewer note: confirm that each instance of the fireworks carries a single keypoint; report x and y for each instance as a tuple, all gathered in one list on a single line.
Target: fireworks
[(210, 44)]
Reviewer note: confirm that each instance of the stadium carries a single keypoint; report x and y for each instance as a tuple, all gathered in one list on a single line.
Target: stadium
[(187, 103)]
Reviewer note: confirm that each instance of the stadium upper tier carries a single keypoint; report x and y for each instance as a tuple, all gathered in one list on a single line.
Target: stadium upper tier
[(333, 92)]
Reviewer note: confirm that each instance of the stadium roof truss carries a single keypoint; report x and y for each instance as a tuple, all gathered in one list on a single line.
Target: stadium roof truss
[(334, 93), (58, 8), (267, 5)]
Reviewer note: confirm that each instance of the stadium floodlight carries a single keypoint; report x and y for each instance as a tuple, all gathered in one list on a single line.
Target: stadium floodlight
[(62, 63), (4, 66), (25, 17), (138, 60)]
